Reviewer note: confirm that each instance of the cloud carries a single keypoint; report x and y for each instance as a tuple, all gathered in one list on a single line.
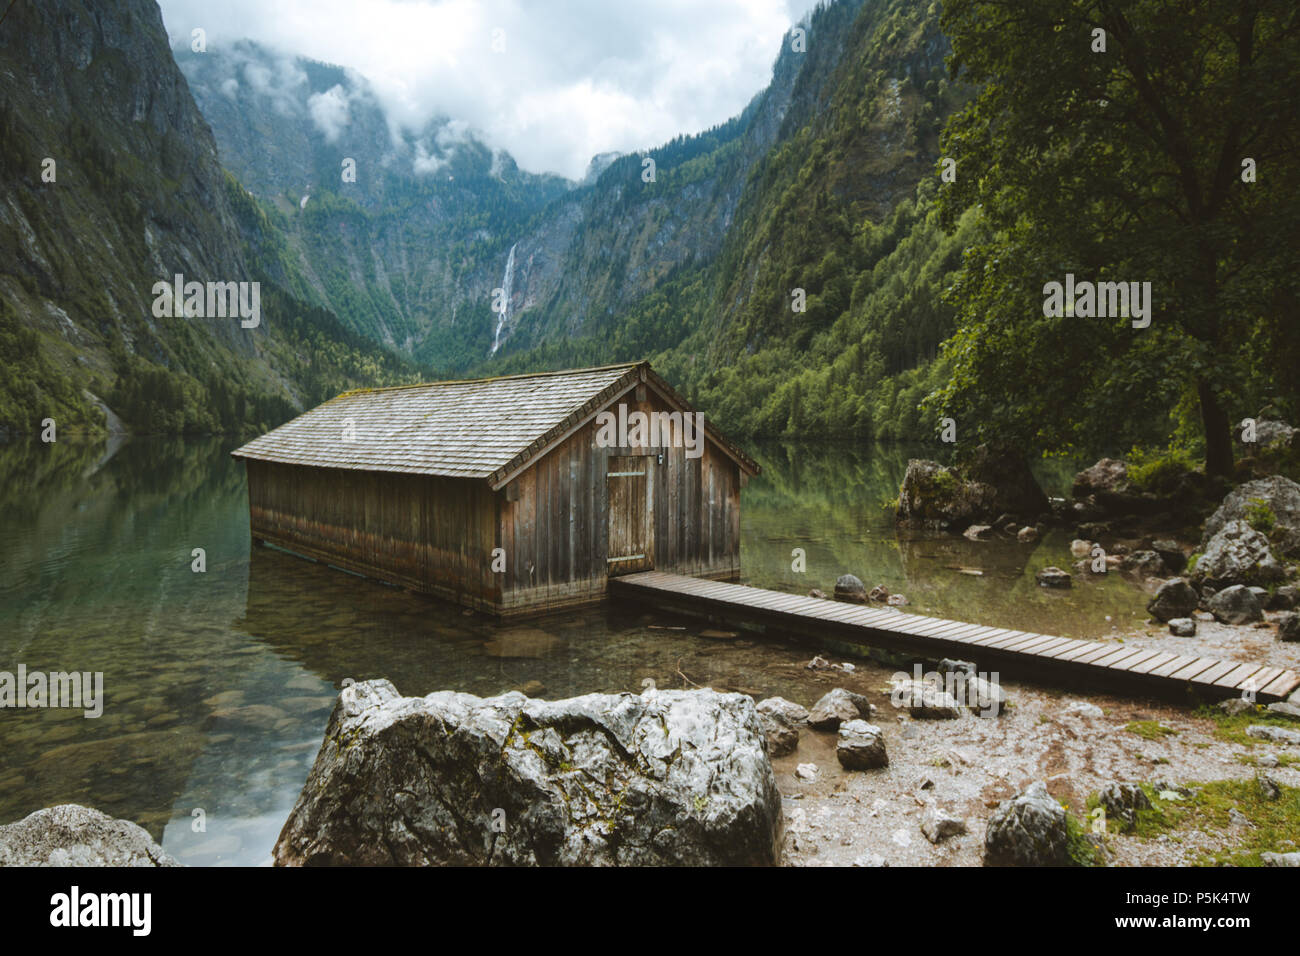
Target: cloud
[(552, 84), (329, 111)]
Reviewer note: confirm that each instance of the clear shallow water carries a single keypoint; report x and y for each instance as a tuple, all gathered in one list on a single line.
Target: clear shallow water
[(218, 685)]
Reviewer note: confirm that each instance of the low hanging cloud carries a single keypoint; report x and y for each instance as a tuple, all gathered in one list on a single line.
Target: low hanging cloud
[(552, 84), (329, 111)]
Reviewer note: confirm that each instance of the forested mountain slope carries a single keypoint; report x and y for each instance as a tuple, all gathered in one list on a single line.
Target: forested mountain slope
[(112, 184)]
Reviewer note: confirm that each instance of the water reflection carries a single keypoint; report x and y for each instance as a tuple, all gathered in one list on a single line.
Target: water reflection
[(218, 685)]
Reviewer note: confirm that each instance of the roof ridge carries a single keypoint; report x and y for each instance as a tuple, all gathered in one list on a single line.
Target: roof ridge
[(493, 378)]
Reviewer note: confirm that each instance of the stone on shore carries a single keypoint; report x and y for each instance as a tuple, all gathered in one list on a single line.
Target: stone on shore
[(861, 746), (1238, 554), (1280, 495), (1175, 598), (666, 777), (73, 835), (835, 707), (1235, 605), (1182, 627), (849, 587), (781, 719), (938, 825), (1288, 626), (1027, 830)]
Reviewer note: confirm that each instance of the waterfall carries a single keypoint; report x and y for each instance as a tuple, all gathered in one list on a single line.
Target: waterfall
[(506, 281)]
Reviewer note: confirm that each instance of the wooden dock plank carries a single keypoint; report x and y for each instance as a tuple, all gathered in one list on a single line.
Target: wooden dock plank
[(935, 637)]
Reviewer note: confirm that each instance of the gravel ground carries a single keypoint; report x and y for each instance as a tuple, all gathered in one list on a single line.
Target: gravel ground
[(969, 764)]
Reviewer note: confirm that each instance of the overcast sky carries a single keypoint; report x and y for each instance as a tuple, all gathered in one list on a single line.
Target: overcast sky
[(575, 77)]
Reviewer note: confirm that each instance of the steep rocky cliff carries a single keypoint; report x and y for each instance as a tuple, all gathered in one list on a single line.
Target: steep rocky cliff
[(113, 184)]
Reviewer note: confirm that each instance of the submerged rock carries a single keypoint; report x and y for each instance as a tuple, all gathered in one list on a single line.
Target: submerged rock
[(1053, 577), (667, 777), (849, 587), (1027, 830), (73, 835)]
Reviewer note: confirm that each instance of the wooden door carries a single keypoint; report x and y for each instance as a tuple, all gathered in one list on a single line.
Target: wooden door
[(630, 484)]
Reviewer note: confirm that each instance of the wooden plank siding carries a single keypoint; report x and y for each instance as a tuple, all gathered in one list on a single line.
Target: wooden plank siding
[(556, 532), (425, 533)]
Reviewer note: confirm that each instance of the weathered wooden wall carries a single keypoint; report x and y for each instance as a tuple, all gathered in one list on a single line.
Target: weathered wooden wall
[(437, 535), (434, 535), (556, 533)]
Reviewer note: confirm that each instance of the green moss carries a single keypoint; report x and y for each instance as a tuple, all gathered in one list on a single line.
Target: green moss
[(1150, 729), (1081, 847), (1273, 821), (1159, 472)]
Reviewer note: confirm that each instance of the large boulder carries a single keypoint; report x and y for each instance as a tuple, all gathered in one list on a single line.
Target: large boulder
[(1105, 489), (1279, 494), (935, 497), (1015, 489), (73, 835), (1174, 598), (667, 777), (1235, 605), (1027, 830), (1237, 554), (995, 481), (1108, 476)]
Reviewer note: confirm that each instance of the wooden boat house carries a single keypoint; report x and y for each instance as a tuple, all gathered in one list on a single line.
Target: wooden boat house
[(510, 495)]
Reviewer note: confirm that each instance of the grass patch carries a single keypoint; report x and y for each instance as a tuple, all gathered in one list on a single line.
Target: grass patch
[(1260, 516), (1150, 729), (1207, 810), (1232, 727)]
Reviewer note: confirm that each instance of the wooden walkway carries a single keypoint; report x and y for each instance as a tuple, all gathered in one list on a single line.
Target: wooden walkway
[(1011, 652)]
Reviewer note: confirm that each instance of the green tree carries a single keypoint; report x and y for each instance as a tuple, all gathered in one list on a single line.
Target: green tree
[(1124, 165)]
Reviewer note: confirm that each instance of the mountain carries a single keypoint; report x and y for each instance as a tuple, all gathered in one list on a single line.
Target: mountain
[(414, 252), (114, 185), (824, 183), (402, 234)]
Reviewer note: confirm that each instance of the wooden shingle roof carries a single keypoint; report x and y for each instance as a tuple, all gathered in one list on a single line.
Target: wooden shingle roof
[(486, 428)]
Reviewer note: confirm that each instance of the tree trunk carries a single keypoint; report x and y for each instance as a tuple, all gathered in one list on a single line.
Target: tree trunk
[(1218, 432)]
